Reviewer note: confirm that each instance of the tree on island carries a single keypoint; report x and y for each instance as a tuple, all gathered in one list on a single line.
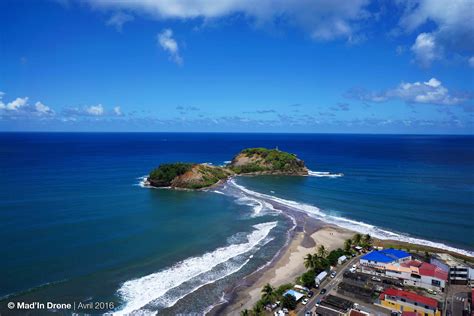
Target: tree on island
[(322, 252), (357, 239), (309, 261), (307, 278), (245, 312), (258, 309), (348, 245), (288, 301), (268, 293), (366, 241)]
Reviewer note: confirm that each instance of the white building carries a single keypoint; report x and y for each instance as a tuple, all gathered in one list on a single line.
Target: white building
[(419, 274)]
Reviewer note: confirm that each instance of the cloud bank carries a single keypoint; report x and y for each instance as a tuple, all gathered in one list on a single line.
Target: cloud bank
[(322, 19), (428, 92)]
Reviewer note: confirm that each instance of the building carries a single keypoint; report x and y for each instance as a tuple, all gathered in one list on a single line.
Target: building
[(341, 259), (327, 311), (419, 274), (403, 301), (378, 259), (459, 271), (354, 312), (295, 294)]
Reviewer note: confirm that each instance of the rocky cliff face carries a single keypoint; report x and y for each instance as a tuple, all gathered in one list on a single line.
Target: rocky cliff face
[(248, 161)]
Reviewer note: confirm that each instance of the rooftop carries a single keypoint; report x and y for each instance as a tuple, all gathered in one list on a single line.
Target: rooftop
[(421, 268), (296, 295), (450, 260), (431, 270), (410, 296), (357, 313), (386, 255)]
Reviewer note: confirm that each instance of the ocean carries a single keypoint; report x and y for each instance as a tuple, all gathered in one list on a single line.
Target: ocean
[(77, 225)]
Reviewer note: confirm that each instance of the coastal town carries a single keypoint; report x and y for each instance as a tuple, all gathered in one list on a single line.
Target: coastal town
[(365, 278)]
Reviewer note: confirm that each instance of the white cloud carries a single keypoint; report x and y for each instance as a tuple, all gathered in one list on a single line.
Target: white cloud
[(117, 111), (21, 108), (471, 61), (431, 91), (16, 104), (452, 19), (118, 19), (95, 110), (43, 109), (169, 44), (322, 19), (425, 49), (428, 92)]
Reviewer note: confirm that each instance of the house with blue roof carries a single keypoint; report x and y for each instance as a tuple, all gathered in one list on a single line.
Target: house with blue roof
[(380, 258)]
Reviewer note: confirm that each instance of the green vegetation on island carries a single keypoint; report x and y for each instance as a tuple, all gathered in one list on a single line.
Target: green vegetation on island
[(254, 160), (248, 161), (165, 173)]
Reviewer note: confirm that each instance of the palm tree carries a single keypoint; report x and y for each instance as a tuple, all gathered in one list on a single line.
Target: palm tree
[(322, 252), (348, 245), (257, 309), (309, 261), (318, 263), (268, 291), (357, 239), (245, 312), (368, 239)]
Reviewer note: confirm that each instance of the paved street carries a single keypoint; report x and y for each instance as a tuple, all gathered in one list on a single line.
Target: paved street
[(456, 300), (328, 284)]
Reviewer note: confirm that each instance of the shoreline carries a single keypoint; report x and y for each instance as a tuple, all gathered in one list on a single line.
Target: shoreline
[(288, 263)]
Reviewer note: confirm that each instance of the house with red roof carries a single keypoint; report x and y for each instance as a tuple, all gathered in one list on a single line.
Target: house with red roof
[(419, 274), (404, 301)]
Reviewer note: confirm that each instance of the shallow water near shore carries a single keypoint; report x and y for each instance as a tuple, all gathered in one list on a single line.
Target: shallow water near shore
[(78, 227)]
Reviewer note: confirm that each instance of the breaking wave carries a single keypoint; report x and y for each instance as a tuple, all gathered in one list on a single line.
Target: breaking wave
[(324, 174), (164, 288), (343, 222)]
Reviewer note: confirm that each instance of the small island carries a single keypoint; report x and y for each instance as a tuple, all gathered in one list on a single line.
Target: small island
[(250, 161)]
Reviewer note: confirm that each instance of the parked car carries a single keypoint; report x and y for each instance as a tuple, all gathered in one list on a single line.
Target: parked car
[(374, 278), (310, 294), (323, 291), (305, 301), (333, 274), (308, 313)]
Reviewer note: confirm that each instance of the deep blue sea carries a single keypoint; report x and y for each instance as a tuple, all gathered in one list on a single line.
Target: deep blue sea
[(76, 226)]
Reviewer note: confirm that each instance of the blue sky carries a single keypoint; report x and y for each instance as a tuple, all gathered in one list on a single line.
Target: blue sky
[(237, 66)]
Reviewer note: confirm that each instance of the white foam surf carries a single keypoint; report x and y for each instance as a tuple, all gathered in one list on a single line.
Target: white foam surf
[(143, 182), (140, 292), (357, 226), (324, 174)]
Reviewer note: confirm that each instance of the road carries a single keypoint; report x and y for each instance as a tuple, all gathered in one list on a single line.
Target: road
[(329, 285), (456, 300)]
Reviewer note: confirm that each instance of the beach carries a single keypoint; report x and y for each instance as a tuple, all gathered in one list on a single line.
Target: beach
[(288, 265), (138, 240)]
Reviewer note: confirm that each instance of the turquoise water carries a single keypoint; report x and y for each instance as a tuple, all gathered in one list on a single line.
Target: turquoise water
[(76, 225)]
